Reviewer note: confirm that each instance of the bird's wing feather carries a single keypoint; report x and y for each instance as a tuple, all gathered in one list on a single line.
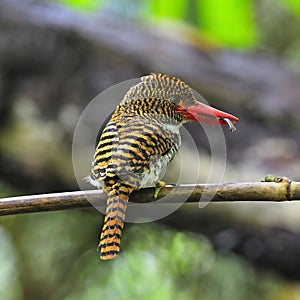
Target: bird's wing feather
[(106, 146), (131, 147), (141, 145)]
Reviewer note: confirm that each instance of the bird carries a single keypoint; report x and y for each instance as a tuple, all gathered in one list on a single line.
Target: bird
[(138, 141)]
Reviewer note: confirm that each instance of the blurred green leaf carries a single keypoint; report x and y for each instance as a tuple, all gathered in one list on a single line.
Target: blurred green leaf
[(229, 22), (293, 5), (168, 9), (84, 5)]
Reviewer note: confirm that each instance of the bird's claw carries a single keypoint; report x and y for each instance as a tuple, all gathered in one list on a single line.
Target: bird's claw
[(272, 178), (159, 186)]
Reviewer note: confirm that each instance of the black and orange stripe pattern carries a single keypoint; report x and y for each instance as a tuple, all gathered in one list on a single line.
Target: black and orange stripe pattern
[(110, 239), (141, 137)]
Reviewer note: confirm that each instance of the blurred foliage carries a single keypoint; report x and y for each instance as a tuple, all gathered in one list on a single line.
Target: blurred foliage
[(227, 22), (42, 259), (230, 23), (166, 9), (85, 5), (294, 5), (53, 255)]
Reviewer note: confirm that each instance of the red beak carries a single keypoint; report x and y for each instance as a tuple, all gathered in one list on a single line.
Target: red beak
[(205, 114)]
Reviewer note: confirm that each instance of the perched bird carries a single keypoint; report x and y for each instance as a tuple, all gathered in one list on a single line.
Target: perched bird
[(138, 142)]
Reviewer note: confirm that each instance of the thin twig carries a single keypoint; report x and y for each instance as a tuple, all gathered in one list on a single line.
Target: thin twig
[(276, 189)]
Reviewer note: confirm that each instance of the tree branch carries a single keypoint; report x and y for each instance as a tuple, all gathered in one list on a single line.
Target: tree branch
[(274, 189)]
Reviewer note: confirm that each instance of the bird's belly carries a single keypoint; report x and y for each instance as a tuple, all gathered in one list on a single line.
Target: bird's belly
[(154, 173), (157, 170)]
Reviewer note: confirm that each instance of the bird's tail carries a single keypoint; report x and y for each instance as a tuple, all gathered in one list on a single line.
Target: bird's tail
[(110, 239)]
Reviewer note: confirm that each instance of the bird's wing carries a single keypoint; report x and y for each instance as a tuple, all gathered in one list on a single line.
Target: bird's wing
[(132, 146), (102, 127), (106, 145), (141, 145)]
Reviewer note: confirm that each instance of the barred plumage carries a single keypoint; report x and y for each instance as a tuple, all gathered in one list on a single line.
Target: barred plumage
[(136, 145)]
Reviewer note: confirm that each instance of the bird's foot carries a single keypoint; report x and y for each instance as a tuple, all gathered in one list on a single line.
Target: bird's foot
[(159, 186), (272, 178)]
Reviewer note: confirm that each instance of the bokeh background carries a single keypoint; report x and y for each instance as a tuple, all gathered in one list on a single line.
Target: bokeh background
[(241, 55)]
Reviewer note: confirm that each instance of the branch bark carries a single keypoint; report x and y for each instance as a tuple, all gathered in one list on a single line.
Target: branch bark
[(274, 189)]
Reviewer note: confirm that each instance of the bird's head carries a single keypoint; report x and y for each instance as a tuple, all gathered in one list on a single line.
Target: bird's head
[(181, 97)]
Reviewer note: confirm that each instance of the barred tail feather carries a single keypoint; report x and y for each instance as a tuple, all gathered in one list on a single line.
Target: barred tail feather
[(110, 239)]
